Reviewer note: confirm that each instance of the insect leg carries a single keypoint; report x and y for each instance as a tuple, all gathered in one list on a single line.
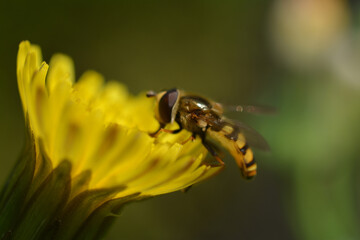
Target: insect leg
[(192, 138), (154, 134), (212, 151), (162, 129), (177, 130)]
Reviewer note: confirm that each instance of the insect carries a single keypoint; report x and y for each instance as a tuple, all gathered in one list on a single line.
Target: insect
[(204, 118)]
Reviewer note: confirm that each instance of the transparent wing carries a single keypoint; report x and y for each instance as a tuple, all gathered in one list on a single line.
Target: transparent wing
[(252, 137), (253, 109)]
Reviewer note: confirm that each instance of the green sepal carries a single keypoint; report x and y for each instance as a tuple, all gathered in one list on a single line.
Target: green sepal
[(78, 210), (15, 190), (43, 169), (99, 222), (80, 183), (45, 204)]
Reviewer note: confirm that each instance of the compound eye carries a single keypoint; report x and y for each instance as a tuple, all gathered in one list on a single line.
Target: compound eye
[(166, 105)]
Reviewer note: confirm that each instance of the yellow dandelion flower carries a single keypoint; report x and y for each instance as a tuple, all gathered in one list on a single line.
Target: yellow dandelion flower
[(87, 153)]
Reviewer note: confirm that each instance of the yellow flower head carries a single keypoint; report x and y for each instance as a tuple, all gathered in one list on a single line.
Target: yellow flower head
[(88, 152), (103, 130)]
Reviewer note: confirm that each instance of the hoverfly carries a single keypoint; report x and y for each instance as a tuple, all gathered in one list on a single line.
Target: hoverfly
[(204, 118)]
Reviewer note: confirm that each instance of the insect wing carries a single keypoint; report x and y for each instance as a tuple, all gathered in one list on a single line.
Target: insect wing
[(253, 109), (241, 130), (253, 138)]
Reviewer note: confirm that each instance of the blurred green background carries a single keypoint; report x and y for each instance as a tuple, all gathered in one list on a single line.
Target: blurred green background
[(301, 56)]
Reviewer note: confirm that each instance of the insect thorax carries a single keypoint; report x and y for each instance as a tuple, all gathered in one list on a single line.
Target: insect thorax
[(195, 114)]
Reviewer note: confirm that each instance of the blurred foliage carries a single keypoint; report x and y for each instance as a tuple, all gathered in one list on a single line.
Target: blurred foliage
[(300, 56)]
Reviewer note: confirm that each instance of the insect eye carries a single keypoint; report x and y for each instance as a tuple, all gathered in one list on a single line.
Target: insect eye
[(166, 105)]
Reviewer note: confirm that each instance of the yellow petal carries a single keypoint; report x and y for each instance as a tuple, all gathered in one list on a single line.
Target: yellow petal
[(61, 70), (102, 130)]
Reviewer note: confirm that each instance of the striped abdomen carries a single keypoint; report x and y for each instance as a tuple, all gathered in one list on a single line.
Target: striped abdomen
[(234, 141), (245, 157)]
